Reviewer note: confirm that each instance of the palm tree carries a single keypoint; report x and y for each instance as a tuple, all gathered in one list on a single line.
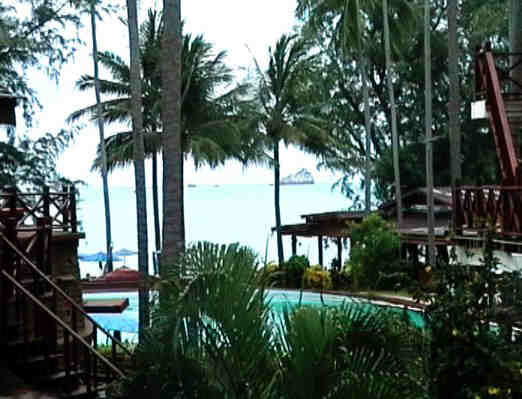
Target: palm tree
[(209, 130), (428, 127), (171, 77), (287, 109), (453, 106), (515, 38), (108, 235), (139, 155), (395, 139)]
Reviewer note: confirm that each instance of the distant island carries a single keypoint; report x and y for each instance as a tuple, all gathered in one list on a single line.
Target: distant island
[(301, 177)]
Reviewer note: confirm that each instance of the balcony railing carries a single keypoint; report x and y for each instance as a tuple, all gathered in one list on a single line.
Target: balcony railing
[(496, 208), (58, 208)]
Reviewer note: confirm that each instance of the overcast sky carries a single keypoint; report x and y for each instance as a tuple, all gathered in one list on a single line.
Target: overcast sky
[(244, 28)]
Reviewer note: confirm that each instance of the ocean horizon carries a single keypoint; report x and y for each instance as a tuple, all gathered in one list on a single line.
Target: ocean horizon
[(224, 214)]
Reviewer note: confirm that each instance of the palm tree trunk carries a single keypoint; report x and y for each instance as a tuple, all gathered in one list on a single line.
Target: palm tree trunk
[(139, 156), (428, 133), (454, 103), (108, 234), (277, 205), (173, 218), (395, 140), (155, 201), (366, 100), (367, 140), (515, 34)]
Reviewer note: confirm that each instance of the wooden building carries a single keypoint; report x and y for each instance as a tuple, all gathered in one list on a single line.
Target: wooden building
[(462, 218), (46, 337)]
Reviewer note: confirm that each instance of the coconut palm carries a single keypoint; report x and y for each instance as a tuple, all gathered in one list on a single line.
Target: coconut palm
[(287, 109), (108, 235), (395, 138), (138, 158), (209, 132)]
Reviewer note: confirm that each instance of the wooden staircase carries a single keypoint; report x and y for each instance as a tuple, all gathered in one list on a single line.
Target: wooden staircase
[(46, 337), (499, 207)]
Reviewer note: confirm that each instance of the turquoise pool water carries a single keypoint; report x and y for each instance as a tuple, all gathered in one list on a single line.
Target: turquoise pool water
[(127, 322)]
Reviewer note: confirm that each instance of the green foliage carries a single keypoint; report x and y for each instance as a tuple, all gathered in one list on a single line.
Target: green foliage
[(209, 120), (317, 278), (211, 333), (324, 22), (469, 356), (213, 337), (347, 352), (294, 269), (27, 163), (374, 252)]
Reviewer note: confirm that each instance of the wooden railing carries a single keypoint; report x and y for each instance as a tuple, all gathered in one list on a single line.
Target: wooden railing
[(497, 208), (490, 86), (506, 65), (23, 283), (58, 207)]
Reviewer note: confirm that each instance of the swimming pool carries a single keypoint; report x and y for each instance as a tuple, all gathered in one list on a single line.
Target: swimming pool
[(127, 321)]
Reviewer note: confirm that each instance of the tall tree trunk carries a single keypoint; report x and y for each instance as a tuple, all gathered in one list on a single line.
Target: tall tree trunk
[(173, 218), (395, 140), (454, 103), (139, 156), (108, 234), (155, 202), (515, 35), (277, 204), (366, 100), (428, 133)]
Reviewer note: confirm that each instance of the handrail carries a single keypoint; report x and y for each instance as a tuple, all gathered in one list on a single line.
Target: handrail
[(64, 325), (487, 78), (62, 293)]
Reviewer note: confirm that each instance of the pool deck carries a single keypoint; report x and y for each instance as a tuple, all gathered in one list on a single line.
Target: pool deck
[(375, 297)]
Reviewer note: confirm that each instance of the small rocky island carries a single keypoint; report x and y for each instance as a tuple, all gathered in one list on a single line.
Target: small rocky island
[(301, 177)]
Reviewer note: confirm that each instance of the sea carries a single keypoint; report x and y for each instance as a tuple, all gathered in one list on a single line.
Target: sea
[(224, 214)]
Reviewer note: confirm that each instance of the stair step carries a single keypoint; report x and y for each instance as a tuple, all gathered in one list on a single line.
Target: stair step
[(81, 391), (41, 358), (56, 376)]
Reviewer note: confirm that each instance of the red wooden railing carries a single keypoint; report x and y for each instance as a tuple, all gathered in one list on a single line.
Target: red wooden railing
[(497, 208), (489, 85), (31, 296), (58, 207)]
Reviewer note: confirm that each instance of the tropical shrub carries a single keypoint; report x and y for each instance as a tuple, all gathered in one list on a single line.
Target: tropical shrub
[(347, 351), (273, 276), (470, 357), (211, 331), (317, 278), (213, 336), (294, 269), (374, 252)]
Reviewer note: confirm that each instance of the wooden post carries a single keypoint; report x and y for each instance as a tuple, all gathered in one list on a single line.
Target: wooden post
[(46, 202), (294, 245), (320, 249), (66, 210), (72, 205), (339, 252)]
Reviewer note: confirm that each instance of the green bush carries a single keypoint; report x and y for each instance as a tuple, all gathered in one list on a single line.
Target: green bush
[(317, 278), (294, 269), (470, 357), (375, 252)]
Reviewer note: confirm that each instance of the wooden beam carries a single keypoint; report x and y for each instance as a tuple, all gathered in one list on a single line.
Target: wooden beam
[(294, 245)]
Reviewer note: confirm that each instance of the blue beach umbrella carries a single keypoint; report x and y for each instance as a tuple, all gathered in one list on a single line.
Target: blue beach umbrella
[(97, 257), (124, 252)]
